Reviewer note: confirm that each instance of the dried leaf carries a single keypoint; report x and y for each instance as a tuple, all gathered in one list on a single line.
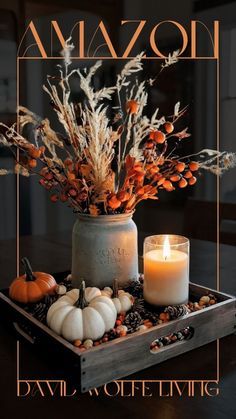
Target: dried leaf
[(19, 169), (3, 172), (172, 59), (176, 110), (183, 134)]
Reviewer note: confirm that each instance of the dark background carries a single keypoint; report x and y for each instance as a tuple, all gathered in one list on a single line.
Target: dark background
[(191, 211)]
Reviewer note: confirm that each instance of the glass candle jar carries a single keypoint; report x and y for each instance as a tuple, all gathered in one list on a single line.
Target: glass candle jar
[(166, 270)]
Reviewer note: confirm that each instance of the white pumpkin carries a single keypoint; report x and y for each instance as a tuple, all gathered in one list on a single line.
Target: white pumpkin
[(122, 300), (107, 291), (90, 293), (73, 317)]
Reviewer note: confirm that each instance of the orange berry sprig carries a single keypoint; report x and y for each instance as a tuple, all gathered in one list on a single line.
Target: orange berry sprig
[(181, 174), (157, 137), (30, 155), (143, 180), (133, 190), (65, 180)]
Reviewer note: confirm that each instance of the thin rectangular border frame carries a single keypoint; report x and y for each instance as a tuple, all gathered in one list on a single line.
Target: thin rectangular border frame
[(217, 179)]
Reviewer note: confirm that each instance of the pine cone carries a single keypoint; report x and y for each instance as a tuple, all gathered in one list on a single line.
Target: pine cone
[(132, 321), (176, 311), (39, 311), (135, 288), (139, 305), (145, 313), (49, 300), (153, 317)]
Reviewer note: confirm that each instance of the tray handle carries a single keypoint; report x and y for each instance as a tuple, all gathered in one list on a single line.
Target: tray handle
[(23, 333), (170, 341)]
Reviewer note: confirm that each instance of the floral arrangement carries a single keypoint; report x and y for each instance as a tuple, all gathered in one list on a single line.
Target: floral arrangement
[(102, 164)]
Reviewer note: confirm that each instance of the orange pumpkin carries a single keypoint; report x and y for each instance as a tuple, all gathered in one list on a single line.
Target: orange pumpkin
[(32, 286)]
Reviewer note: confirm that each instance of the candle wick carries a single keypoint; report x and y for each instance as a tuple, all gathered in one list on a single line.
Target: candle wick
[(165, 257)]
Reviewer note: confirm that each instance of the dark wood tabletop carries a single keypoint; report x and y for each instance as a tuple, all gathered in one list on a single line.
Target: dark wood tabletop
[(52, 253)]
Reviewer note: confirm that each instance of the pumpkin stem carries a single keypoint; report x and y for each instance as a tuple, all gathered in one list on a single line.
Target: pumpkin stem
[(115, 288), (28, 270), (81, 302)]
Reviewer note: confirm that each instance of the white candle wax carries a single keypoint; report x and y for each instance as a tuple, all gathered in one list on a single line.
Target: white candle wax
[(166, 278)]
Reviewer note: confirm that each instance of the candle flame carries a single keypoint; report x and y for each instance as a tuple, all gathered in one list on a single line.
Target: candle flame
[(166, 248)]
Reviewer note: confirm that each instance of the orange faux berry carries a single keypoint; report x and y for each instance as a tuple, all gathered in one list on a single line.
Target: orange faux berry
[(182, 183), (77, 343), (164, 317), (169, 127), (63, 197), (132, 106), (188, 174), (32, 163), (35, 152), (72, 192), (48, 176), (149, 144), (71, 176), (160, 137), (42, 182), (152, 135), (167, 184), (180, 167), (153, 170), (54, 198), (193, 165), (192, 180), (175, 178)]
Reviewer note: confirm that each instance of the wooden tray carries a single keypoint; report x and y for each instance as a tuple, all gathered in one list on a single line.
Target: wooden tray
[(127, 355)]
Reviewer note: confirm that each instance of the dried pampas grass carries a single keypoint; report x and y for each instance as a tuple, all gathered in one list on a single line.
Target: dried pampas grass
[(100, 164)]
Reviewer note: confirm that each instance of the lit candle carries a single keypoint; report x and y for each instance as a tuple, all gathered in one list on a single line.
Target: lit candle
[(166, 270)]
